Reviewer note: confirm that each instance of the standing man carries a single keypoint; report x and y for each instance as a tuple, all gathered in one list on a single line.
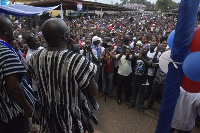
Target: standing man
[(97, 47), (88, 52), (151, 70), (107, 70), (61, 75), (140, 77), (124, 70), (15, 109)]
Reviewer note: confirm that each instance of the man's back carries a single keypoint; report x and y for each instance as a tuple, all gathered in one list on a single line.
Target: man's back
[(61, 76)]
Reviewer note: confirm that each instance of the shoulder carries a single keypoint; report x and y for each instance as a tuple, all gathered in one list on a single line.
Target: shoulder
[(6, 53), (4, 48)]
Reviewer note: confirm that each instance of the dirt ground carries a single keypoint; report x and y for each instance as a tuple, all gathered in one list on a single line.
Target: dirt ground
[(114, 118)]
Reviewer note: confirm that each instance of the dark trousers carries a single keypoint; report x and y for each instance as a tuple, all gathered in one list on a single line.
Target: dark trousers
[(138, 87), (157, 90), (149, 88), (179, 131), (124, 81), (17, 125)]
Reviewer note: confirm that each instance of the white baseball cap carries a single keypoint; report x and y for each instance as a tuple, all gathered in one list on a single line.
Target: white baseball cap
[(96, 38)]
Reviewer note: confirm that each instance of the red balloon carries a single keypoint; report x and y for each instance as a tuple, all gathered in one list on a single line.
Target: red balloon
[(195, 44), (190, 86)]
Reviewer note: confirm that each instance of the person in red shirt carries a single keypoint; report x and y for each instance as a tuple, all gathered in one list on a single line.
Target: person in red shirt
[(107, 70)]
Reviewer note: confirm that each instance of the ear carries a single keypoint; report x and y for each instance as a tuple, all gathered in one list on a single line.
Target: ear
[(5, 31)]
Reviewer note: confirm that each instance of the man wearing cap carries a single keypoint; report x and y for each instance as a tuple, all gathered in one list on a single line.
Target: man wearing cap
[(97, 47)]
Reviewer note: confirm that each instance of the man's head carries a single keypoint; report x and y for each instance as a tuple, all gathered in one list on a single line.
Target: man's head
[(139, 36), (152, 46), (145, 50), (33, 42), (126, 40), (163, 42), (88, 43), (6, 32), (55, 32), (95, 40), (14, 45), (109, 46)]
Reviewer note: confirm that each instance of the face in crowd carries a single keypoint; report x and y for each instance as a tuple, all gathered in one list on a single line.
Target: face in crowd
[(33, 42), (14, 45)]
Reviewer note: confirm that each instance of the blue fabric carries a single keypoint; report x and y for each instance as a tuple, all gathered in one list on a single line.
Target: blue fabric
[(19, 51), (98, 49), (184, 33), (23, 10)]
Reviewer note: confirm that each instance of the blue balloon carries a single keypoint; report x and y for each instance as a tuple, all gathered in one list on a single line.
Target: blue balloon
[(191, 66), (170, 39)]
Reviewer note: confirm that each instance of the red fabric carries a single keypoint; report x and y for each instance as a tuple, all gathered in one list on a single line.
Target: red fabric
[(114, 46), (110, 64), (24, 54)]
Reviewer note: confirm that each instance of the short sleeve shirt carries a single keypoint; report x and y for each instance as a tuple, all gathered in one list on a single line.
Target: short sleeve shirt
[(61, 75), (124, 66)]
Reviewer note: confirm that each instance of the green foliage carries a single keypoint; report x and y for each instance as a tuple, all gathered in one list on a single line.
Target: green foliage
[(166, 5), (160, 4)]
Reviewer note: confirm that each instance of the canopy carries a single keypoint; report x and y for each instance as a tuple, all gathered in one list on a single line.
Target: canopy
[(181, 46), (24, 10)]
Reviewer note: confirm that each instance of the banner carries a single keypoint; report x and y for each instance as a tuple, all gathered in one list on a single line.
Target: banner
[(79, 6), (5, 2)]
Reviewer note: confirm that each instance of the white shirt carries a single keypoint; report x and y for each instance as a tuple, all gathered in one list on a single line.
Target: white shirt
[(30, 52), (151, 70), (28, 57), (187, 108), (124, 66)]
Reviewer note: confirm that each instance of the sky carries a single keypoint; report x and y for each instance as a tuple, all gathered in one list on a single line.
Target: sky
[(115, 1)]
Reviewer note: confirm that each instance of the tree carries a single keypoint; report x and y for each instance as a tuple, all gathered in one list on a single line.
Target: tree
[(117, 4), (166, 5), (123, 2), (112, 2)]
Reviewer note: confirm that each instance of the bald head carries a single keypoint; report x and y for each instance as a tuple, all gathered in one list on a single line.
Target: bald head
[(55, 30), (6, 32)]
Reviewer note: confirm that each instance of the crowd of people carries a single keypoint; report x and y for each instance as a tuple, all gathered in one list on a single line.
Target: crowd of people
[(80, 54)]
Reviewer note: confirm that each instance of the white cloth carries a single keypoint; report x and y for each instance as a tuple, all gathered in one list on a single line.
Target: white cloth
[(96, 38), (124, 66), (151, 71), (187, 108), (28, 57), (30, 52)]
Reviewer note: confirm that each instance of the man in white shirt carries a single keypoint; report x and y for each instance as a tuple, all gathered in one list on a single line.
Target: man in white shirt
[(187, 108), (33, 46), (124, 71), (151, 70)]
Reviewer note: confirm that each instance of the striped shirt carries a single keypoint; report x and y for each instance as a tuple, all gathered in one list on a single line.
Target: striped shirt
[(61, 75), (9, 64)]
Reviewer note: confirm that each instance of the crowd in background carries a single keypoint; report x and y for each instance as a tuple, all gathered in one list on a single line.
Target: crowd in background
[(142, 37), (125, 48)]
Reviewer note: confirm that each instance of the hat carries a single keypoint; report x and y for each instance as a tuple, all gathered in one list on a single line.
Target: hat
[(95, 38)]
